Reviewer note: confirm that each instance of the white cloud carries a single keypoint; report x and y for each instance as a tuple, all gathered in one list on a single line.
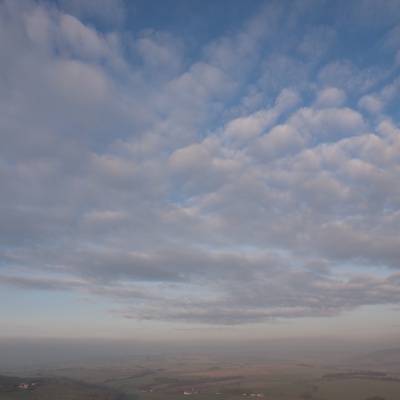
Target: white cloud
[(84, 41), (109, 12), (371, 104), (398, 58), (317, 42), (156, 177), (328, 123), (39, 28), (160, 51), (330, 97), (281, 141), (248, 127), (346, 76), (374, 103)]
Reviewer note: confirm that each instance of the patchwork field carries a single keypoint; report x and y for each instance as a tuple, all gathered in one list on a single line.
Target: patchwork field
[(208, 378)]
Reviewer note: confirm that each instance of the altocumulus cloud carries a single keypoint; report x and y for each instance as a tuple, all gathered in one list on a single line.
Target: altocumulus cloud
[(251, 179)]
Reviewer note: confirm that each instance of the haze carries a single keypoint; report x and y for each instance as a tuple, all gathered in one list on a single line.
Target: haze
[(180, 175)]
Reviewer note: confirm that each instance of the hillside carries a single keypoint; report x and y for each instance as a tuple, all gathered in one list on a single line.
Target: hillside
[(57, 387), (385, 357)]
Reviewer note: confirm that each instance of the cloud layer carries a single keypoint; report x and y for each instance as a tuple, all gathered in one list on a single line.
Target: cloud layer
[(253, 179)]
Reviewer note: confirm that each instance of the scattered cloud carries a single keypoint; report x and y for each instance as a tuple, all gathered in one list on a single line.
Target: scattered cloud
[(244, 183)]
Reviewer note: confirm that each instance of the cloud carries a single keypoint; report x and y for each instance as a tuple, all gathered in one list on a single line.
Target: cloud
[(39, 283), (280, 141), (108, 13), (246, 128), (83, 41), (366, 13), (375, 102), (317, 42), (243, 182), (370, 103), (330, 97), (346, 76), (329, 123)]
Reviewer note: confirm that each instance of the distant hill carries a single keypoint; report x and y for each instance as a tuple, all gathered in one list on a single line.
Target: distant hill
[(385, 357)]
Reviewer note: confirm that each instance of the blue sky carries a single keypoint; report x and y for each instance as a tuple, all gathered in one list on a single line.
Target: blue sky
[(180, 170)]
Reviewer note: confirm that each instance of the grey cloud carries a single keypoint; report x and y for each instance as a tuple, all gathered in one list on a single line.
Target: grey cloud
[(40, 283), (328, 298)]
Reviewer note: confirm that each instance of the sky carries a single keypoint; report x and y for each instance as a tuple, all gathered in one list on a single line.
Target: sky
[(181, 171)]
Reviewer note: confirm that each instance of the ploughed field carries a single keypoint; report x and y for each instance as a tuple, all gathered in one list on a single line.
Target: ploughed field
[(206, 378)]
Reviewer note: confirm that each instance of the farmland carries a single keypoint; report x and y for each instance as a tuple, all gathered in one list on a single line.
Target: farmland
[(211, 377)]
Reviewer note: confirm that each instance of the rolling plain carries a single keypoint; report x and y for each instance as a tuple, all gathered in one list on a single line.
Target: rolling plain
[(373, 376)]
